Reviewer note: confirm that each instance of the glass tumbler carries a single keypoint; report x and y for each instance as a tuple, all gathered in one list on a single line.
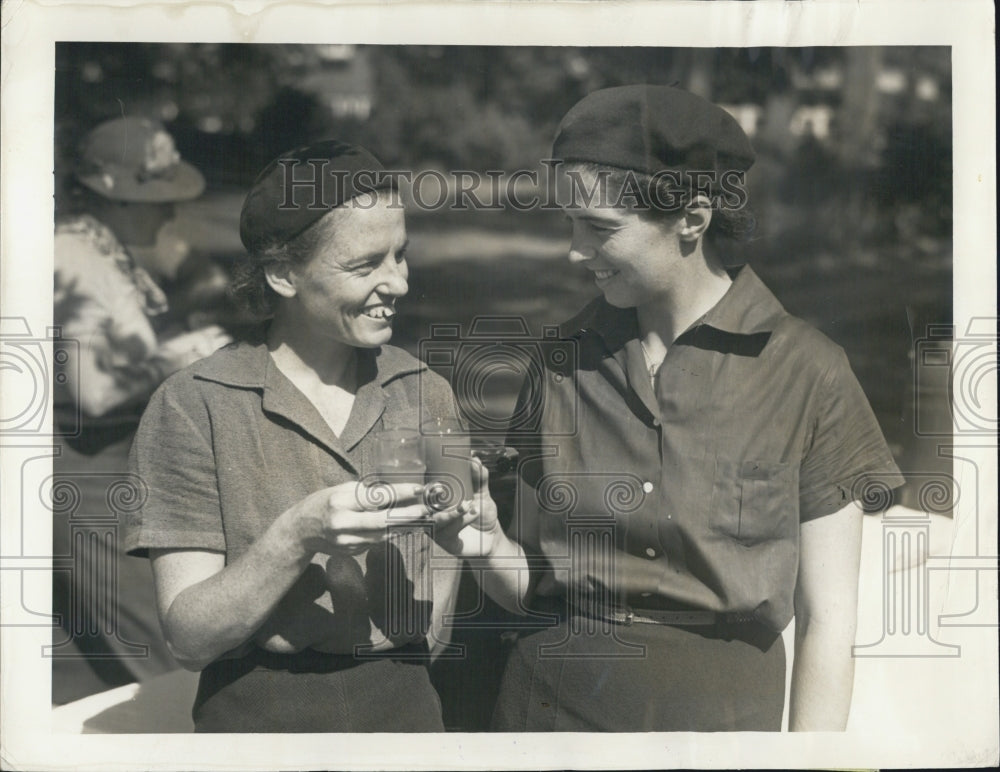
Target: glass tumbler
[(448, 459)]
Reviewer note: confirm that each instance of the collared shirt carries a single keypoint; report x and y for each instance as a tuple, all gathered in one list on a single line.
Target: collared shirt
[(228, 444), (692, 496)]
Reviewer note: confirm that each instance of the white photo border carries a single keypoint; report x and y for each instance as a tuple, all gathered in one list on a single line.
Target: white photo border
[(30, 31)]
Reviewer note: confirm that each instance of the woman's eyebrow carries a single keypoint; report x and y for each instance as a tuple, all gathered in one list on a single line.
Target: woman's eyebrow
[(359, 260), (594, 219), (373, 257)]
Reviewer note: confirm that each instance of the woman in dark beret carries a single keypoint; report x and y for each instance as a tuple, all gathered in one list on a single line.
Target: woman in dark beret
[(692, 482), (279, 575)]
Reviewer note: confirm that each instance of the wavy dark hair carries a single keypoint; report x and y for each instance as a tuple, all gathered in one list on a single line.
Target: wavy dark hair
[(248, 287)]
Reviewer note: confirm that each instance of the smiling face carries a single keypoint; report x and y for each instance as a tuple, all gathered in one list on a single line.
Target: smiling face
[(346, 292), (635, 257)]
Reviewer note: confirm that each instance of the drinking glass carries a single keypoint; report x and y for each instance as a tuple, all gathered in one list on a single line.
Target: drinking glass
[(399, 456), (447, 456)]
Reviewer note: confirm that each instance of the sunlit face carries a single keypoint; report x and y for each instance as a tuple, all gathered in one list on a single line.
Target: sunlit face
[(634, 258), (347, 291)]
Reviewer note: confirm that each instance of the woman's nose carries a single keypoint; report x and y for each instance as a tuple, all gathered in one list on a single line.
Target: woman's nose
[(579, 251), (394, 281)]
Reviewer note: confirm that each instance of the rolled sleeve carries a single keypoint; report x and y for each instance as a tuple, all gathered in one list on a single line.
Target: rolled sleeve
[(847, 448), (172, 455)]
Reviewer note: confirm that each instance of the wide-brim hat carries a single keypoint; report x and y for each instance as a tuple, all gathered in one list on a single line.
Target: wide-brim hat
[(136, 160)]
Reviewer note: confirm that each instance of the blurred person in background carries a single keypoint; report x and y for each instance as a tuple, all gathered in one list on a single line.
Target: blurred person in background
[(109, 257), (109, 260), (720, 443), (277, 574)]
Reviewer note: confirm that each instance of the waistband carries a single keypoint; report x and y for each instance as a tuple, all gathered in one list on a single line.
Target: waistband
[(709, 624), (627, 615), (313, 661), (713, 624)]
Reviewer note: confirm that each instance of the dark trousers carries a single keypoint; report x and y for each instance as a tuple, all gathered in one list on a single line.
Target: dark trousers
[(316, 692), (584, 675)]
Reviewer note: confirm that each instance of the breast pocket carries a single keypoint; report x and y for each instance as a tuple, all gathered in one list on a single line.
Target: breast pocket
[(755, 501)]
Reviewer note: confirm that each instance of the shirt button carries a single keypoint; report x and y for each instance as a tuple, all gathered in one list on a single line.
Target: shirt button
[(647, 486), (656, 422), (651, 552)]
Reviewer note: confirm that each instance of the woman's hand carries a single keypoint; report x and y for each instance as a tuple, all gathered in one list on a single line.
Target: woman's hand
[(472, 529), (352, 517), (208, 607)]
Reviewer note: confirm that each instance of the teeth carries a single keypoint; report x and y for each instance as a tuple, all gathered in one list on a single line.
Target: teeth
[(604, 274), (380, 312)]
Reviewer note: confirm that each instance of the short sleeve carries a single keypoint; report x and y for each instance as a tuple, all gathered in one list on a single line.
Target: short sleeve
[(846, 447), (172, 455)]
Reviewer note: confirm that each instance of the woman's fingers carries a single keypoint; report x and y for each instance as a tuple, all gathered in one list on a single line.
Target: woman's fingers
[(356, 521), (480, 476), (374, 497), (360, 517), (453, 528), (358, 531), (448, 517), (359, 541), (378, 520), (410, 514)]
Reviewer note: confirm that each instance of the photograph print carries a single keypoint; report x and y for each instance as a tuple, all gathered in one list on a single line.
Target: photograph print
[(492, 389)]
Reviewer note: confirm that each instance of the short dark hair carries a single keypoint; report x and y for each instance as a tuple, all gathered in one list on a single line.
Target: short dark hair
[(661, 197), (248, 287)]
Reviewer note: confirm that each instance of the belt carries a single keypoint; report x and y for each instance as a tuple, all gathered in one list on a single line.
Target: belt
[(626, 615)]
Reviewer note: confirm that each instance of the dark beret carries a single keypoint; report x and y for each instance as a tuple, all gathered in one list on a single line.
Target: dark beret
[(652, 129), (298, 187)]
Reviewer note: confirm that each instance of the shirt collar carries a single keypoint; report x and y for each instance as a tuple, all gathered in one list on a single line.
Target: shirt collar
[(747, 308), (245, 365), (250, 366)]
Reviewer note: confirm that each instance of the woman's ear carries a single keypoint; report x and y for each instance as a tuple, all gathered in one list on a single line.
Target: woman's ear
[(696, 219), (280, 277)]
